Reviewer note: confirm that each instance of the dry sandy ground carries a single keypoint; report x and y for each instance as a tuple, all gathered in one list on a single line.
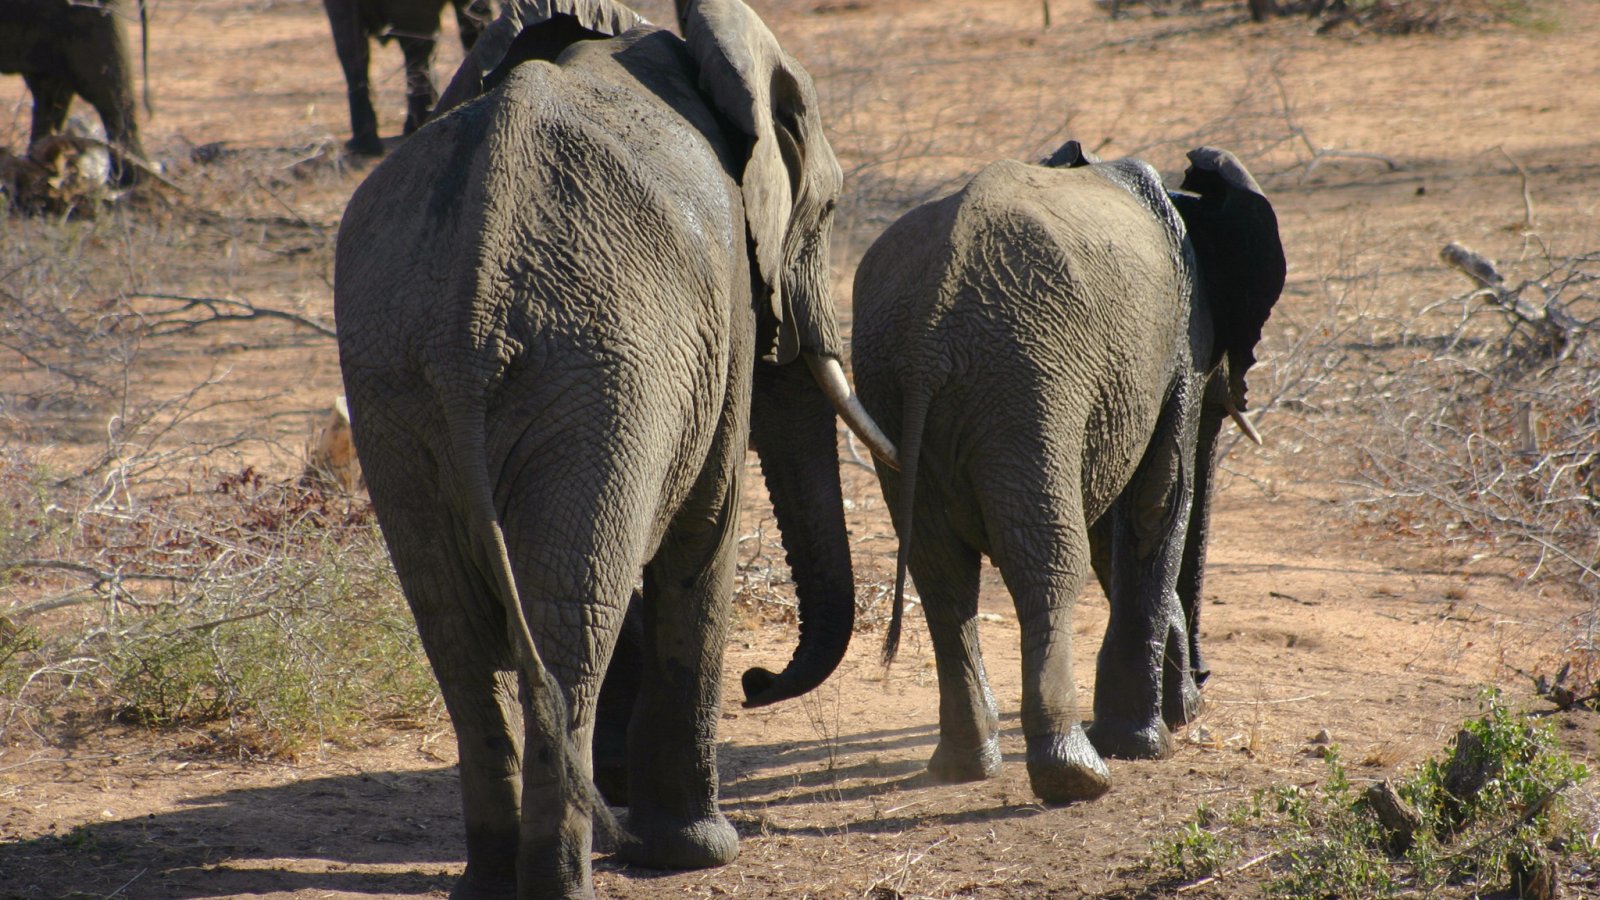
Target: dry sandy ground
[(1377, 151)]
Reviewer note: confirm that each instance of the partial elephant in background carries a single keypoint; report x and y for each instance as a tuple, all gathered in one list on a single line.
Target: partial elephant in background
[(414, 24), (67, 47), (1045, 339), (566, 307)]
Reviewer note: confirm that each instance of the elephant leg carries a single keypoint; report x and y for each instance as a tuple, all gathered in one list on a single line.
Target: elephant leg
[(51, 98), (420, 93), (1143, 681), (946, 571), (1044, 557), (673, 816), (618, 694), (472, 16), (462, 627), (350, 43)]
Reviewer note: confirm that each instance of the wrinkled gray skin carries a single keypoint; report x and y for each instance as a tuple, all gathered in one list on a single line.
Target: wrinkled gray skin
[(414, 25), (62, 48), (1045, 339), (554, 304)]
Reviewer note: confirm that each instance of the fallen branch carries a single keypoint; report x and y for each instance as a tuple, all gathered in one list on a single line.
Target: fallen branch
[(1212, 879), (221, 309), (1554, 329)]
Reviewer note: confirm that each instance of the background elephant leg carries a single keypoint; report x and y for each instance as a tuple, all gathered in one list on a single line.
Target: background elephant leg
[(51, 98), (1146, 643), (618, 693), (350, 43), (1043, 554), (946, 572), (462, 626), (672, 787), (420, 94), (472, 16)]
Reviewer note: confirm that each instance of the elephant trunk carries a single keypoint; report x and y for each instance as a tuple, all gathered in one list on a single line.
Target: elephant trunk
[(795, 434)]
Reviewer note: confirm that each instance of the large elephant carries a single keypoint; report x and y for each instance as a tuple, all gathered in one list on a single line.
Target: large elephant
[(414, 24), (63, 48), (554, 303), (1045, 340)]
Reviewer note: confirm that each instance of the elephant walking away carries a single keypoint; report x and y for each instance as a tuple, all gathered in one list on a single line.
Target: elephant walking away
[(566, 306), (414, 25), (63, 48), (1042, 346)]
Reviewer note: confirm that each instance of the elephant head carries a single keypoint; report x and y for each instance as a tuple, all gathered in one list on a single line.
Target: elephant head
[(1234, 232), (790, 185)]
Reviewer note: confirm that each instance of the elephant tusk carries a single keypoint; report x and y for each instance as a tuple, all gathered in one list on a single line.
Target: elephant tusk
[(830, 377), (1242, 421)]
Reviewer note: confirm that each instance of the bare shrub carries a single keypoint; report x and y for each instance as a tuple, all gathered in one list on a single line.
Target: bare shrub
[(1497, 446)]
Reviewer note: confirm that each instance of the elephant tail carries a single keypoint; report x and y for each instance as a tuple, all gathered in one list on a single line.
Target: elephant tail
[(469, 465), (914, 418), (144, 59)]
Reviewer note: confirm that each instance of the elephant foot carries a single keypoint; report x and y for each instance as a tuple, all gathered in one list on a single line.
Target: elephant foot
[(951, 765), (471, 887), (1064, 768), (1182, 706), (364, 145), (661, 843), (1123, 739)]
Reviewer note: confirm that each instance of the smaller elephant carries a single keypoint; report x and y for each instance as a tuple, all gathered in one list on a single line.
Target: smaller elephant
[(414, 24), (1059, 344), (63, 48)]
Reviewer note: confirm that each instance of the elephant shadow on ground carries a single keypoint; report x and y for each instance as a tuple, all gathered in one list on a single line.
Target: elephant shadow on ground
[(398, 832), (389, 832), (848, 768)]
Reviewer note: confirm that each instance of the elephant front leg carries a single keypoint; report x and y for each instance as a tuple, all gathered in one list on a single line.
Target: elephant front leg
[(673, 820), (420, 93), (350, 43)]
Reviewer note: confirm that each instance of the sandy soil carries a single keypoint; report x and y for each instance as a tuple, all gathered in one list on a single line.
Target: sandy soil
[(1377, 151)]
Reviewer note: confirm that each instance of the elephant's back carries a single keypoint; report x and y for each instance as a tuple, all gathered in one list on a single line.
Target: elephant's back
[(566, 183)]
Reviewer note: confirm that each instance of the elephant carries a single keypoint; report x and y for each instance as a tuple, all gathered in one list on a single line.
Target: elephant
[(1057, 344), (63, 48), (565, 308), (414, 24)]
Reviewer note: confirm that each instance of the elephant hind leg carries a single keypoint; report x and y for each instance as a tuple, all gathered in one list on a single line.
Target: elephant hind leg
[(1041, 545), (1143, 684), (945, 570), (462, 627)]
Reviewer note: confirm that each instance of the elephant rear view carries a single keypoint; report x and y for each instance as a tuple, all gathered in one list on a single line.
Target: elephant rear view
[(63, 48), (554, 303), (1046, 339)]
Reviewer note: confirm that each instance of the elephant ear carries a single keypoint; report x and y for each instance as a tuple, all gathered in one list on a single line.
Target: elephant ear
[(1234, 232), (531, 29), (765, 95)]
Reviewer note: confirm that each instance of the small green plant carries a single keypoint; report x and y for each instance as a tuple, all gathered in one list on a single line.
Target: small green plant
[(1198, 849), (1488, 812)]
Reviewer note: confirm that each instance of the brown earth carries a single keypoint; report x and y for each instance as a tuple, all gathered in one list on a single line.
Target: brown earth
[(1377, 151)]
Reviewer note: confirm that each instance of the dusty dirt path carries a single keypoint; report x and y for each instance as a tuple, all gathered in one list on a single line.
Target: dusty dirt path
[(1312, 622)]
